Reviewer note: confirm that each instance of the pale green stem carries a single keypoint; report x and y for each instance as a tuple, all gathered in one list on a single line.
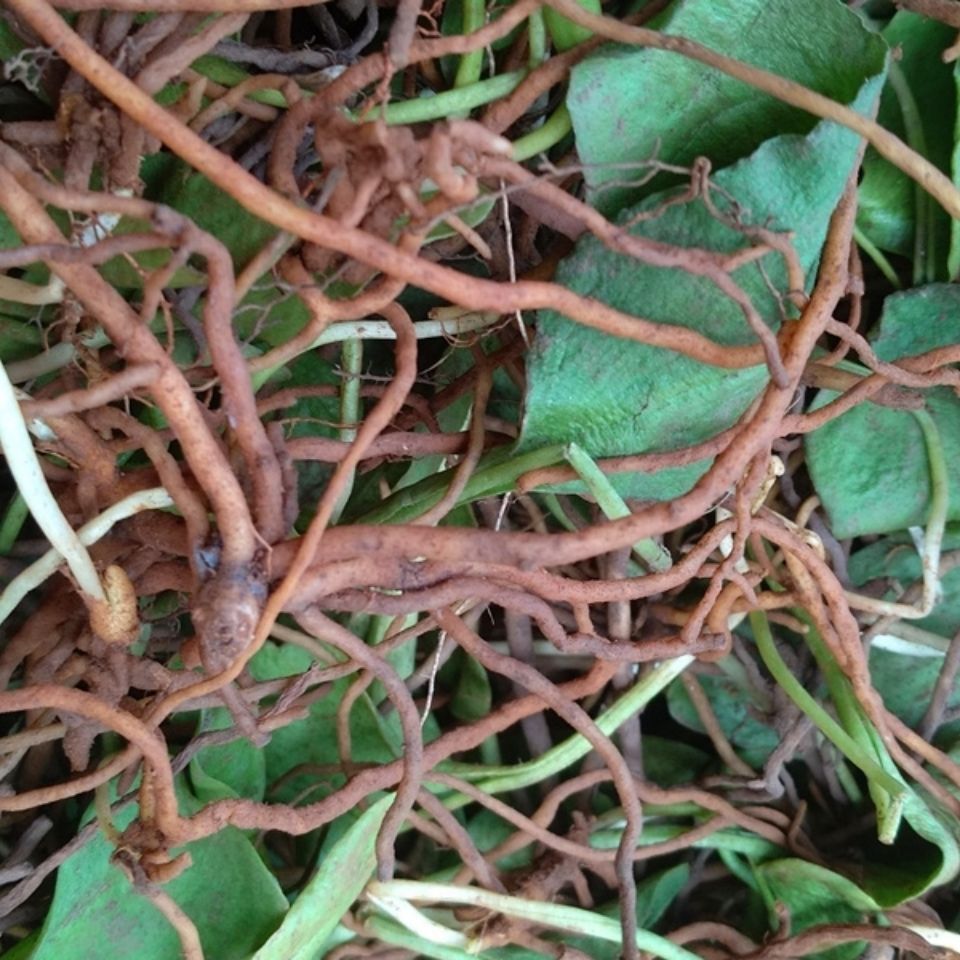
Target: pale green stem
[(471, 63), (19, 291), (496, 474), (848, 782), (56, 358), (455, 102), (732, 839), (923, 254), (876, 255), (389, 931), (939, 937), (569, 751), (536, 39), (351, 361), (548, 135), (425, 329), (408, 916), (910, 641), (28, 476), (739, 868), (762, 886), (316, 648), (381, 330), (490, 752), (653, 554), (939, 508), (460, 100), (153, 499), (552, 504), (824, 722), (889, 809), (228, 74), (572, 919)]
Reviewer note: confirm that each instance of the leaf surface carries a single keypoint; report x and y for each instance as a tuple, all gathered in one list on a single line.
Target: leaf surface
[(869, 466), (344, 872), (227, 891), (615, 397), (630, 103), (888, 197)]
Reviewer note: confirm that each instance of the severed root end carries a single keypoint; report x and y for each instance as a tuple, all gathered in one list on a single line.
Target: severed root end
[(116, 619)]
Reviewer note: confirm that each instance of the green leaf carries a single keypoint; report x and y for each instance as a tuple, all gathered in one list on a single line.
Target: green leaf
[(472, 215), (275, 661), (472, 695), (906, 683), (312, 416), (212, 210), (870, 469), (744, 725), (10, 43), (815, 895), (565, 33), (18, 340), (271, 316), (24, 949), (887, 208), (343, 874), (454, 417), (655, 893), (9, 238), (313, 741), (669, 762), (487, 831), (869, 466), (229, 770), (654, 896), (615, 397), (229, 894), (425, 480), (923, 857), (629, 104)]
